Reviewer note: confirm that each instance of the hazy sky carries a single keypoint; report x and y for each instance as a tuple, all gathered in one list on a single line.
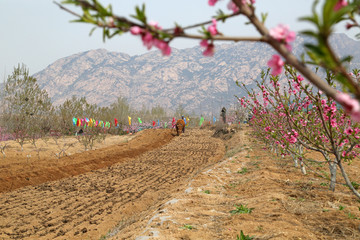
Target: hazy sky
[(38, 32)]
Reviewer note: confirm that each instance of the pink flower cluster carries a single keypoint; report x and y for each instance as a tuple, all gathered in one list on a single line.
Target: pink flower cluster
[(282, 34), (207, 44), (276, 64), (350, 105), (149, 40)]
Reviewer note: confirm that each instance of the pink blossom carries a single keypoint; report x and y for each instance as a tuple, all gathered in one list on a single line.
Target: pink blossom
[(333, 107), (340, 4), (204, 43), (155, 25), (300, 78), (210, 48), (348, 131), (282, 33), (232, 6), (163, 46), (212, 2), (292, 139), (357, 130), (212, 28), (295, 132), (148, 40), (333, 123), (296, 86), (135, 30), (350, 105), (276, 63)]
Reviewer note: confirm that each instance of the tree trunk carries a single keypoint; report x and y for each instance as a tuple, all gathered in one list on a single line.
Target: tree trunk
[(332, 168), (347, 180), (296, 164), (302, 165)]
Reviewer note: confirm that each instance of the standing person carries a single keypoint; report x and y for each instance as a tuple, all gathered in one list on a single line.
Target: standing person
[(183, 118), (223, 114)]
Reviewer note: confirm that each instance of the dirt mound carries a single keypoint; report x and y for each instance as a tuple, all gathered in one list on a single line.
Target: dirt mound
[(17, 170), (86, 206), (224, 132)]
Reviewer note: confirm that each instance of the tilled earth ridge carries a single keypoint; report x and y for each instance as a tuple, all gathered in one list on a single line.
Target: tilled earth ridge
[(88, 205), (17, 171)]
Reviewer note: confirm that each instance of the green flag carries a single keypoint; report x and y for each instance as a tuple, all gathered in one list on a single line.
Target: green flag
[(201, 121), (139, 120)]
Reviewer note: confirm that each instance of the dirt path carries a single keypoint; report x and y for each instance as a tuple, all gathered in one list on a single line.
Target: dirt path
[(89, 205), (254, 191)]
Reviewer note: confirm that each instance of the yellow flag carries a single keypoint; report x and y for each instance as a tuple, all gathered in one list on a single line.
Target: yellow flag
[(129, 120)]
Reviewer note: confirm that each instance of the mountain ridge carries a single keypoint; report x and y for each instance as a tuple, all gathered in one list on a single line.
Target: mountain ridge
[(186, 77)]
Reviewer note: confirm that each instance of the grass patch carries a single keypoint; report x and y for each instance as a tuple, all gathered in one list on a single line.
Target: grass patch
[(243, 171), (188, 227), (241, 209), (242, 236)]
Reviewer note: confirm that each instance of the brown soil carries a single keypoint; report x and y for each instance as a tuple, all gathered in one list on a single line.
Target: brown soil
[(185, 189), (31, 167)]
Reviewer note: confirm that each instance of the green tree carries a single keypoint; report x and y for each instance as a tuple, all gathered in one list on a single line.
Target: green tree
[(26, 108), (158, 112), (74, 107), (121, 109)]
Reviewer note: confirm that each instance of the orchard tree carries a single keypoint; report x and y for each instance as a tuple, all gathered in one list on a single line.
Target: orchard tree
[(26, 108), (121, 109), (298, 116), (279, 38), (74, 107)]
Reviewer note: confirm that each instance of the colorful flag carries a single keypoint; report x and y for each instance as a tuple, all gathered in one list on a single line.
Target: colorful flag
[(201, 121)]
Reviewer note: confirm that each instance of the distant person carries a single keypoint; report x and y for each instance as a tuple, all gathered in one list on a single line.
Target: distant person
[(80, 132), (183, 118), (223, 114)]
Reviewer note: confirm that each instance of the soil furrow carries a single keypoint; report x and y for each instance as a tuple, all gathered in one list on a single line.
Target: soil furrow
[(88, 205)]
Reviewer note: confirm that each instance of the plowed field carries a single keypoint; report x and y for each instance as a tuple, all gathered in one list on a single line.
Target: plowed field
[(155, 186), (133, 177)]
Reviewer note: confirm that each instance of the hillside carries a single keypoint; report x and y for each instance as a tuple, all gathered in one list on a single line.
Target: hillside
[(186, 77)]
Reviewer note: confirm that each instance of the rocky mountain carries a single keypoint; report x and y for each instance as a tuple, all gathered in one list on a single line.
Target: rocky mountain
[(199, 83)]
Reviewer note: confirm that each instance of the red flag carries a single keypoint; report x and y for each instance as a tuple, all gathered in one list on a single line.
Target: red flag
[(116, 122), (154, 123)]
